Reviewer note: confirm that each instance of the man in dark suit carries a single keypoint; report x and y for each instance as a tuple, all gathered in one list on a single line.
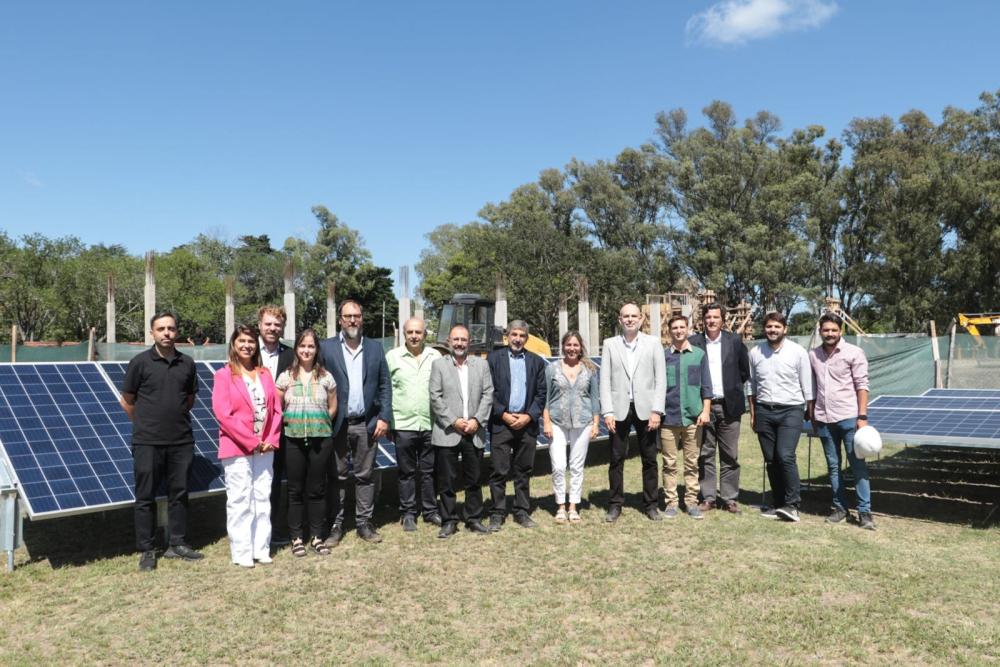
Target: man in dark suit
[(364, 400), (276, 357), (729, 364), (518, 400)]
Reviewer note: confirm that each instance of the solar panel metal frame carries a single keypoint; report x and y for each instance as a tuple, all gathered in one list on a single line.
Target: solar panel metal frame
[(962, 393)]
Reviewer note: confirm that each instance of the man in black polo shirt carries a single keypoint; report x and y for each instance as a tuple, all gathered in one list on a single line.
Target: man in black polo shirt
[(157, 394)]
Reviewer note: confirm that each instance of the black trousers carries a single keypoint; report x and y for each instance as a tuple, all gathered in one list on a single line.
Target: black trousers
[(151, 463), (619, 452), (307, 460), (722, 435), (512, 452), (778, 430), (279, 493), (453, 475), (415, 463)]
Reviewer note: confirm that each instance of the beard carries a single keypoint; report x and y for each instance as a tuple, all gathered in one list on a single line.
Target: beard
[(352, 332)]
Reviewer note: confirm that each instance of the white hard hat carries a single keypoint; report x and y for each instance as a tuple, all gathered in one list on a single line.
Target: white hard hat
[(867, 442)]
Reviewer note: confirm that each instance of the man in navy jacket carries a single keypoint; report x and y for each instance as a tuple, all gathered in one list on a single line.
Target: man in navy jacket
[(518, 401), (729, 364), (364, 412)]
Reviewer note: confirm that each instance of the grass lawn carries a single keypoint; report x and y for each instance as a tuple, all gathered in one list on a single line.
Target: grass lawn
[(922, 589)]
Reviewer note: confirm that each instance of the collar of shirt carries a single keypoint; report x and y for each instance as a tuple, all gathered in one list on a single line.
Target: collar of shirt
[(347, 349), (456, 364), (717, 341), (630, 346), (515, 355), (264, 350), (685, 347)]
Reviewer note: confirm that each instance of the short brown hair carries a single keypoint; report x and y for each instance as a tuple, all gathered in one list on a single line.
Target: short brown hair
[(713, 306), (677, 318), (273, 310)]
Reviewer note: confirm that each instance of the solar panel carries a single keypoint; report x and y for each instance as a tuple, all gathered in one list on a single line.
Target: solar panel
[(937, 402), (65, 437), (970, 428), (964, 393)]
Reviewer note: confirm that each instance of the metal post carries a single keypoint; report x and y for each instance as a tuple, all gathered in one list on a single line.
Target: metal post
[(937, 357), (951, 354)]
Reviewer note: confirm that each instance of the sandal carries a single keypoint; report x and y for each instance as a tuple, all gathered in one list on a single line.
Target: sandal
[(561, 515), (319, 546), (298, 548), (574, 516)]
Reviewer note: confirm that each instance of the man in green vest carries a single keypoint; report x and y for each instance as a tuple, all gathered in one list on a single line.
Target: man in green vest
[(687, 409)]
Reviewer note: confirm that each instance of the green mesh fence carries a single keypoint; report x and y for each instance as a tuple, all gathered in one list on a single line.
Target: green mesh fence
[(975, 363), (897, 364), (37, 353)]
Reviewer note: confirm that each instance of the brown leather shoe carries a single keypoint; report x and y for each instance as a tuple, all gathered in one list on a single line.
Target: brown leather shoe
[(732, 507), (706, 506)]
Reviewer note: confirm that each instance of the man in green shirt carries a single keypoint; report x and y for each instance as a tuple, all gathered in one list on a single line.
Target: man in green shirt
[(687, 409), (410, 373)]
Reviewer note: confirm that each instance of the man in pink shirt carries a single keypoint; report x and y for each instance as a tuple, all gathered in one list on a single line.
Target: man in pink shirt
[(840, 407)]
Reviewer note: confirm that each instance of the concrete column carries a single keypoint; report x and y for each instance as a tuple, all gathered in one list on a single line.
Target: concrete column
[(563, 323), (654, 315), (583, 311), (500, 316), (109, 312), (331, 309), (404, 302), (289, 299), (595, 332), (230, 284), (149, 295)]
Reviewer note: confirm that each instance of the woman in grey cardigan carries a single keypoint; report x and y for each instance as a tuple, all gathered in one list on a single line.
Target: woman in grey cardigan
[(572, 409)]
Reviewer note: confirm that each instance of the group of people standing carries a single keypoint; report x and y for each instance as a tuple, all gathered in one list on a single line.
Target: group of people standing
[(313, 414)]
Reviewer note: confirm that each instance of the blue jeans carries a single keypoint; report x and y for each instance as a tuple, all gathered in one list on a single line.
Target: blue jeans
[(832, 435)]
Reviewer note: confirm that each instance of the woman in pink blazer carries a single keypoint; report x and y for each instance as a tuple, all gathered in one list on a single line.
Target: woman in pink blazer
[(246, 404)]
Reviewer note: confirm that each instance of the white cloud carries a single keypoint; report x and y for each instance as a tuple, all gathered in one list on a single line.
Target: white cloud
[(735, 22), (32, 180)]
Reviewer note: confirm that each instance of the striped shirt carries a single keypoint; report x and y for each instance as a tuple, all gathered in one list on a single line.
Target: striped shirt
[(306, 412)]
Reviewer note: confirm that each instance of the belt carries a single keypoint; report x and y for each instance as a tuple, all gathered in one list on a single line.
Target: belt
[(356, 420), (775, 406)]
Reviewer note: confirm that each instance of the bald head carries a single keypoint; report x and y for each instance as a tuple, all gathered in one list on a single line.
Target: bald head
[(414, 333)]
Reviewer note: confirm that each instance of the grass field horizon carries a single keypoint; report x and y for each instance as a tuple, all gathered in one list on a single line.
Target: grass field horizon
[(727, 590)]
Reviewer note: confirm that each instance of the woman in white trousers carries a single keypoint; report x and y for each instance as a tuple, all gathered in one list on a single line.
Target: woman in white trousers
[(246, 404), (572, 411)]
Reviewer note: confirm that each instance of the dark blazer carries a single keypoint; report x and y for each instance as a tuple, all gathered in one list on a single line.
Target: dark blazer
[(377, 387), (285, 358), (735, 372), (534, 397)]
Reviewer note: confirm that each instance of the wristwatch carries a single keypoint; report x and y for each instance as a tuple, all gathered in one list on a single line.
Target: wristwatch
[(865, 417)]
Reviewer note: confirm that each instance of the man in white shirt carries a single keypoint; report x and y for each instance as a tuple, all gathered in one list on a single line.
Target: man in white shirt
[(780, 388)]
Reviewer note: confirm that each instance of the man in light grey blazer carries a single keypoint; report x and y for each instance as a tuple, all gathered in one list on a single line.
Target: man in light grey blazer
[(461, 400), (633, 395)]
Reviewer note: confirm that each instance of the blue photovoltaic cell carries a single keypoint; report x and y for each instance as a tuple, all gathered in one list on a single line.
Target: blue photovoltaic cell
[(937, 402), (964, 393), (65, 437), (959, 426)]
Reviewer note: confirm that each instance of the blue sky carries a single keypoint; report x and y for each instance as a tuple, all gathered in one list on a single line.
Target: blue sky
[(145, 123)]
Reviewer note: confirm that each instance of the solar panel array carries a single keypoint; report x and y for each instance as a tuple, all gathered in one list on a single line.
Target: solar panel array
[(67, 439), (957, 417)]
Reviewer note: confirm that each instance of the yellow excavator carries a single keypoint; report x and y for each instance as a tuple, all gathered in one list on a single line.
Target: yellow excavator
[(477, 313), (973, 320)]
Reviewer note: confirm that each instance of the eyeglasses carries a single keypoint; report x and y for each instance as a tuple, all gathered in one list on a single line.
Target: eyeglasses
[(350, 317)]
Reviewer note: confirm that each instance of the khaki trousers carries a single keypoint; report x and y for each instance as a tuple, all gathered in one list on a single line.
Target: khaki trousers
[(672, 439)]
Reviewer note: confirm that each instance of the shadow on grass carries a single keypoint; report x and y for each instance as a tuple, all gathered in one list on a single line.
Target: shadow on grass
[(946, 485)]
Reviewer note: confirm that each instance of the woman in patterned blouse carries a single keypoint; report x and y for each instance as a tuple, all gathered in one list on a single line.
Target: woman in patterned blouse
[(309, 396)]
